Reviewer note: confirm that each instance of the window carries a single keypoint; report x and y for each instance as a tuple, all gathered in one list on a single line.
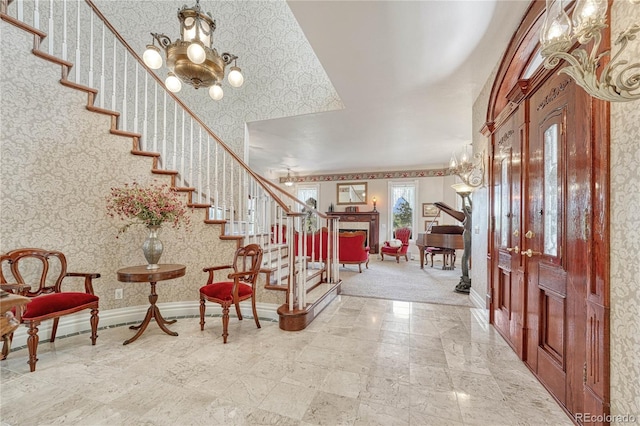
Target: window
[(309, 194), (402, 206)]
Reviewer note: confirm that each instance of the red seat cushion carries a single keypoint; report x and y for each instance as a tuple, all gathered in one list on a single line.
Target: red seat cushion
[(222, 290), (48, 304), (387, 249)]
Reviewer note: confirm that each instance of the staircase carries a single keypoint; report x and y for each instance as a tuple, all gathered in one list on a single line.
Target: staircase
[(181, 148)]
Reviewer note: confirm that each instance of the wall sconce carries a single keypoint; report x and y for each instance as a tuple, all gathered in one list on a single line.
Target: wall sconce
[(470, 172), (559, 33), (374, 204)]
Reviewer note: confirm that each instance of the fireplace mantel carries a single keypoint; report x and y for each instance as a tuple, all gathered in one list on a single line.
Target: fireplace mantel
[(370, 217)]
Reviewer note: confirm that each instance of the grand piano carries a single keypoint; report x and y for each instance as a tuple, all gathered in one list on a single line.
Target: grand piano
[(443, 236)]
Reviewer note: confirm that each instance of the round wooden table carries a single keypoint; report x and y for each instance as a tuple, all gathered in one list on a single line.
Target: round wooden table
[(140, 274)]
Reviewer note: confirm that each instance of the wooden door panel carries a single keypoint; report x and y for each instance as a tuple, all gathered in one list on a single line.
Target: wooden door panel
[(516, 322), (555, 378), (553, 326), (553, 279), (507, 278), (545, 220)]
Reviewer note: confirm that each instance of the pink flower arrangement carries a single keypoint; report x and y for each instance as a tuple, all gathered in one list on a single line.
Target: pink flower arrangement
[(151, 206)]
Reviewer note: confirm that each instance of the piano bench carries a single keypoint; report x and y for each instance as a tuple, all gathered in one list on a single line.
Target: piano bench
[(448, 256)]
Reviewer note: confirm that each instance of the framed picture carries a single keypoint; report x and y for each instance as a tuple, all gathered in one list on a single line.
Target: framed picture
[(351, 193), (428, 224), (430, 210)]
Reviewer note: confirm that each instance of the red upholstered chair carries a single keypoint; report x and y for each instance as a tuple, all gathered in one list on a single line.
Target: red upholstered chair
[(38, 274), (402, 234), (240, 285), (351, 249)]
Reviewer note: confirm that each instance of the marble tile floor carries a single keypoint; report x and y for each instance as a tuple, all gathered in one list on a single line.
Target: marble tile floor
[(361, 362)]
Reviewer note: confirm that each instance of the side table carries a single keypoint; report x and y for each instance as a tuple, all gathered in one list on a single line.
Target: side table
[(140, 274)]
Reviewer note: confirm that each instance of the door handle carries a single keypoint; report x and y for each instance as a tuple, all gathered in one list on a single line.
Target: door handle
[(529, 253), (515, 249)]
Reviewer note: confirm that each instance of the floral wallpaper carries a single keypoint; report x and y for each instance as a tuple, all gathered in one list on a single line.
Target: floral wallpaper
[(625, 233), (58, 162)]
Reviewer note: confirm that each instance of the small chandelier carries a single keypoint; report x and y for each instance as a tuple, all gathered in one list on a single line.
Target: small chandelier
[(289, 180), (470, 172), (191, 59), (559, 33)]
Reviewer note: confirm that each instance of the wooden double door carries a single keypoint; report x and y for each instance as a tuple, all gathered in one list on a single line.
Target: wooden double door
[(543, 299)]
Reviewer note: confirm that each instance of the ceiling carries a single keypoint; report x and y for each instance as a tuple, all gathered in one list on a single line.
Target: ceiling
[(341, 86), (407, 73)]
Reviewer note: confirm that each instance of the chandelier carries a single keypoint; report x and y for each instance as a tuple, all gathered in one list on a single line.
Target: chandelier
[(471, 172), (191, 59), (619, 81), (289, 180)]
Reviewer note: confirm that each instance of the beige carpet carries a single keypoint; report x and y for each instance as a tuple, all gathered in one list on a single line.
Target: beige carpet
[(404, 281)]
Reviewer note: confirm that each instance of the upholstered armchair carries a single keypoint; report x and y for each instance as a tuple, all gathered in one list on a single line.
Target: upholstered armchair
[(352, 249), (38, 274), (397, 249)]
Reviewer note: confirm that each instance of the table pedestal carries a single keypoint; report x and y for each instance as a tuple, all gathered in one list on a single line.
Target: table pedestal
[(152, 312), (137, 274)]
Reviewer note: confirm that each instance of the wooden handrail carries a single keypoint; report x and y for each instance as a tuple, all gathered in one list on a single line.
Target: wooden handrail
[(182, 105), (319, 213)]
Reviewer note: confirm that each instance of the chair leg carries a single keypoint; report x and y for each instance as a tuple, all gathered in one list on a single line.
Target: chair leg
[(225, 320), (238, 312), (367, 264), (397, 258), (382, 255), (406, 257), (32, 344), (54, 329), (432, 260), (360, 267), (255, 312), (94, 325), (202, 309)]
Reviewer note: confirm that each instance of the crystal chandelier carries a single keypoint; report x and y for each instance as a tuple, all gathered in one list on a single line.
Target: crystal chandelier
[(191, 59), (619, 81), (471, 172)]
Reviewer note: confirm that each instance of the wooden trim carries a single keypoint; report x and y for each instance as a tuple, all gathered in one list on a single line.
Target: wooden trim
[(515, 59), (299, 319)]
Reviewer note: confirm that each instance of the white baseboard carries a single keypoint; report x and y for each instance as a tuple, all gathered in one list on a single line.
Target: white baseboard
[(79, 323), (477, 299)]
